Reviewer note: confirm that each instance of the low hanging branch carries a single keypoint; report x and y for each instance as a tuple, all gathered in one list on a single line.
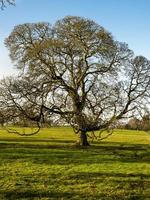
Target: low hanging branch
[(109, 133), (103, 134), (23, 133), (37, 119), (92, 136)]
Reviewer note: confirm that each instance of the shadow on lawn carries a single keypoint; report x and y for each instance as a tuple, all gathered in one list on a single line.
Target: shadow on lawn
[(34, 139), (121, 186), (116, 177), (60, 195), (128, 187), (30, 195), (31, 143), (63, 153)]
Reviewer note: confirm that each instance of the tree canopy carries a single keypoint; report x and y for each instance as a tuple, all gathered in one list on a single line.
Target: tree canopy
[(76, 73)]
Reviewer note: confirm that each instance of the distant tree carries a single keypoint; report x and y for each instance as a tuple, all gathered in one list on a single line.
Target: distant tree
[(145, 122), (4, 3), (74, 71), (134, 124)]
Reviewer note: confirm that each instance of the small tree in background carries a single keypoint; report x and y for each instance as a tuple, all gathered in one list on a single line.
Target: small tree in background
[(145, 122), (134, 124)]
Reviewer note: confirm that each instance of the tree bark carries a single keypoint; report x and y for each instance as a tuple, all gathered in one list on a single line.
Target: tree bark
[(83, 139)]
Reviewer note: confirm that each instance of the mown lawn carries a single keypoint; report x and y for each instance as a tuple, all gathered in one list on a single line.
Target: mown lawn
[(49, 166)]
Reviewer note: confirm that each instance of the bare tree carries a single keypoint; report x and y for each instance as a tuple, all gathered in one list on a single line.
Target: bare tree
[(75, 71), (4, 3)]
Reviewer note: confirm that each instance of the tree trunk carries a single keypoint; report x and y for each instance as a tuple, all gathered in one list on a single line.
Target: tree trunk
[(83, 139)]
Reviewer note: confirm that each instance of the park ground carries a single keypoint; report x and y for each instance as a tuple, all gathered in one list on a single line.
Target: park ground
[(49, 166)]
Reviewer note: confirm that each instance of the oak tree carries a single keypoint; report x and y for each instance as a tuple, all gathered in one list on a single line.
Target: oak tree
[(74, 72)]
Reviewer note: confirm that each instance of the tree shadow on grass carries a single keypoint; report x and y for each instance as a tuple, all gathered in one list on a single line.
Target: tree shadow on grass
[(62, 154), (34, 140), (129, 187), (36, 144), (114, 176), (133, 185), (30, 195)]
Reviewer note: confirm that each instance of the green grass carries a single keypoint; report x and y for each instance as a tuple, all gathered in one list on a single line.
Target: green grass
[(49, 166)]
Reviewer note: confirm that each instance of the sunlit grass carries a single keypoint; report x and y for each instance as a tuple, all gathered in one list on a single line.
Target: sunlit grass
[(50, 166)]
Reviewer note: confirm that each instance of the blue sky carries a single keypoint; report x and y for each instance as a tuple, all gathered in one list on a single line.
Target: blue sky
[(127, 20)]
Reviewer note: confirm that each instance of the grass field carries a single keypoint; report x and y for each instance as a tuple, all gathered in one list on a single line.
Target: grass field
[(49, 166)]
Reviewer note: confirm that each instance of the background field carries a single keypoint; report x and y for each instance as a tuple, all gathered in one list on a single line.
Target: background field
[(50, 166)]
